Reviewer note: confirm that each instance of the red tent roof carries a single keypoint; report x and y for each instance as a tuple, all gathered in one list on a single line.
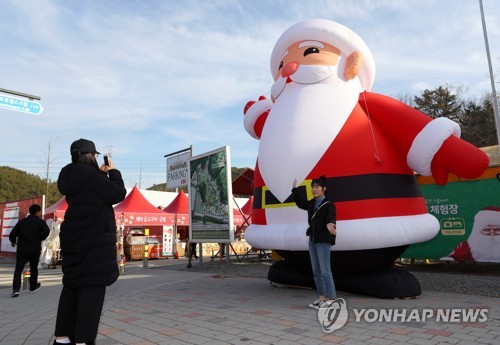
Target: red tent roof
[(137, 203), (247, 208), (61, 205), (179, 205)]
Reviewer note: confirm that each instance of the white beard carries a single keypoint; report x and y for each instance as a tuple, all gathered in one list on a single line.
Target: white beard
[(302, 124), (483, 247)]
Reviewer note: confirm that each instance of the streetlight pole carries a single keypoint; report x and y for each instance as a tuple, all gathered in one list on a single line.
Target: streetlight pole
[(22, 94), (492, 80)]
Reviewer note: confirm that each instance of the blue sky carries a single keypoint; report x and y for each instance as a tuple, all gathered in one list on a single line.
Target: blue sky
[(147, 78)]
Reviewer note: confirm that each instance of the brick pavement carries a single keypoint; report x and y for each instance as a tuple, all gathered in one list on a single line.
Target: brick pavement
[(158, 306)]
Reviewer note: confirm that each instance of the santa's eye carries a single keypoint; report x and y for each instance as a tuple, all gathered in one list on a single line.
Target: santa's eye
[(281, 65), (312, 50)]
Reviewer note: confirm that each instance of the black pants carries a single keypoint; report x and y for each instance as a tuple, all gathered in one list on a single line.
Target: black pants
[(22, 257), (193, 250), (79, 312)]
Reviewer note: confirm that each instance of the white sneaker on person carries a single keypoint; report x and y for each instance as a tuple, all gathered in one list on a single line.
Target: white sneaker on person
[(323, 304), (315, 304), (15, 294)]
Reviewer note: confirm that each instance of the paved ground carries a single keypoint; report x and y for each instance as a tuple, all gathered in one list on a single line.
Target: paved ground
[(160, 306)]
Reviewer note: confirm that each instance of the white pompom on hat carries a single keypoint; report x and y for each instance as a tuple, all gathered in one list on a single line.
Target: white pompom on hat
[(327, 31)]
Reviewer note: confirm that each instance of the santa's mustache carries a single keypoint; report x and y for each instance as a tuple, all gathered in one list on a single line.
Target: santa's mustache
[(305, 74)]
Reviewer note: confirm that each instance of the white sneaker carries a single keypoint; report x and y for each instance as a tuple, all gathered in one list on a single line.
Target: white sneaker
[(323, 304), (315, 304)]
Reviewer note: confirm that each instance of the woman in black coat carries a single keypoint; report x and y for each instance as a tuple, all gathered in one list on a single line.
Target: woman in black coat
[(88, 242), (322, 231)]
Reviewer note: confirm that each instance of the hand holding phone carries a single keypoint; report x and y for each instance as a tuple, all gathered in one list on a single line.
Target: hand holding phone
[(106, 160)]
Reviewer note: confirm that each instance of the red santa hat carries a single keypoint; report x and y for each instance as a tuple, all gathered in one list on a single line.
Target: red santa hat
[(329, 32)]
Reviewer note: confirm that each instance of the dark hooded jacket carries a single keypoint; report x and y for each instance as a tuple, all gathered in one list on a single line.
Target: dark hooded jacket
[(88, 233), (317, 218)]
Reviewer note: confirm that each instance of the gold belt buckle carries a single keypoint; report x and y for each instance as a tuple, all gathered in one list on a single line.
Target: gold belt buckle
[(305, 183)]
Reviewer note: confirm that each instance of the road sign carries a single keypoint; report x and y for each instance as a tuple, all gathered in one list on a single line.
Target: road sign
[(19, 104)]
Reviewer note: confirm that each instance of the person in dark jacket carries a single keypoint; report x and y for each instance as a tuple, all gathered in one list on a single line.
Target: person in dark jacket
[(88, 242), (322, 232), (28, 235)]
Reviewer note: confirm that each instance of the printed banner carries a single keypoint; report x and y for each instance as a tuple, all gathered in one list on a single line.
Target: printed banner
[(10, 219), (469, 215), (168, 240), (210, 193), (177, 170)]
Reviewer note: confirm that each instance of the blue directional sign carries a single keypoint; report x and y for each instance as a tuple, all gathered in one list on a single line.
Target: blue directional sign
[(19, 104)]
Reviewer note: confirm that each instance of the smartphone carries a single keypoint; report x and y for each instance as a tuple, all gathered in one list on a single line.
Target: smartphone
[(106, 160)]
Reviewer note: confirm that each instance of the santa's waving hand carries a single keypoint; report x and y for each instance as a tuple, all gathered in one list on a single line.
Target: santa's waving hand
[(255, 119)]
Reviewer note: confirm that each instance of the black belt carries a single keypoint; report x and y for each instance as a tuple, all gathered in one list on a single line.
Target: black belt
[(348, 188)]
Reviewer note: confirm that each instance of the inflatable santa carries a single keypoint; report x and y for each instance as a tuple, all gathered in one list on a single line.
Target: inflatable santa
[(483, 243), (322, 120)]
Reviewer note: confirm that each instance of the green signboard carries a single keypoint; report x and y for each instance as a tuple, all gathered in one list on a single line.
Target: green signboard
[(455, 205)]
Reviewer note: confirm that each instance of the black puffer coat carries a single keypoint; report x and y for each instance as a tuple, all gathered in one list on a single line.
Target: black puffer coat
[(326, 213), (88, 233), (29, 233)]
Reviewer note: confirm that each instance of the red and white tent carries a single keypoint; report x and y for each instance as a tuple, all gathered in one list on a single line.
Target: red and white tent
[(135, 210), (57, 210), (179, 207)]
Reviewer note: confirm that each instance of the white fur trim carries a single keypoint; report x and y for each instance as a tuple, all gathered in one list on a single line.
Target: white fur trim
[(253, 114), (357, 234), (428, 142), (330, 32)]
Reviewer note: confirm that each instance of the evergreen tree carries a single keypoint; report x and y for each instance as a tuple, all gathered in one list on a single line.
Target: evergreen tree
[(478, 123), (441, 102), (17, 185)]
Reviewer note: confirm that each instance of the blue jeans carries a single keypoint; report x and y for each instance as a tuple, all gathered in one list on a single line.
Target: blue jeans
[(320, 261)]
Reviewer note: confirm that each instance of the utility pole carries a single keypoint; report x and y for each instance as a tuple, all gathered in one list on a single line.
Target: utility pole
[(140, 176), (492, 79), (47, 176), (48, 167)]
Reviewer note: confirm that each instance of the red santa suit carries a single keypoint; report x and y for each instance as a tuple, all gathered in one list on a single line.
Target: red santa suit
[(378, 201), (369, 164)]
